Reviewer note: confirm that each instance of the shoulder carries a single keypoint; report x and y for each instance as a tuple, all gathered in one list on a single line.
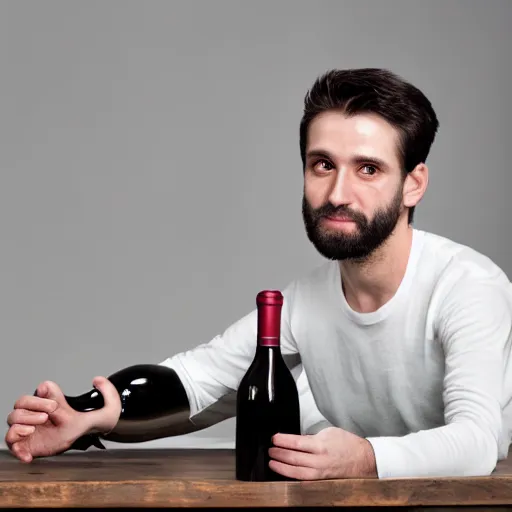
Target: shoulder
[(454, 267), (468, 288)]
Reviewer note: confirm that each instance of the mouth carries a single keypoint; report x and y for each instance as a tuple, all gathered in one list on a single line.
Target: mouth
[(339, 219)]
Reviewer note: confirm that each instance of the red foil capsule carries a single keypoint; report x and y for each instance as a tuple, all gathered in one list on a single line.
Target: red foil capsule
[(269, 303)]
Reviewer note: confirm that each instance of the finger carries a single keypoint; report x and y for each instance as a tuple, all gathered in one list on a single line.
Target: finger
[(35, 403), (296, 472), (106, 418), (18, 432), (26, 417), (302, 443), (51, 391), (294, 458), (21, 452)]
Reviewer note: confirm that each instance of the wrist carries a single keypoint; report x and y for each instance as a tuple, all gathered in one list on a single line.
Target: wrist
[(368, 463), (100, 430)]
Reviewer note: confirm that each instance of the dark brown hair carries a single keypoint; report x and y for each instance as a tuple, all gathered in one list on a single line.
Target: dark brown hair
[(381, 92)]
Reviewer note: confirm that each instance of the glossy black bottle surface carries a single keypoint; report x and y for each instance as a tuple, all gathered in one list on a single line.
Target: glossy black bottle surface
[(267, 397), (153, 404), (267, 404), (144, 389)]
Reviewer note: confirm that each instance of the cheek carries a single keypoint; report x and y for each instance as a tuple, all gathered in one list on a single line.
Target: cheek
[(316, 194), (367, 197), (372, 196)]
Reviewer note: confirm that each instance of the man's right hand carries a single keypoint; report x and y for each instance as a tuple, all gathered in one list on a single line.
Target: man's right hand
[(45, 424)]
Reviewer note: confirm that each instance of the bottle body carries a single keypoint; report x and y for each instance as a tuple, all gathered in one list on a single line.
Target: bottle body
[(267, 400), (154, 404)]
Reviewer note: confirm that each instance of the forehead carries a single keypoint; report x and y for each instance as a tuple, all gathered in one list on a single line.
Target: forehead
[(365, 134)]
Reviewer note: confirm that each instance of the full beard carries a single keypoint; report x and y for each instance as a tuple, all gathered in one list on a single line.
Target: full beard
[(359, 245)]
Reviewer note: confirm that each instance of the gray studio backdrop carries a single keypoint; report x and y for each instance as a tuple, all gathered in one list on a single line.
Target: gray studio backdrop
[(151, 178)]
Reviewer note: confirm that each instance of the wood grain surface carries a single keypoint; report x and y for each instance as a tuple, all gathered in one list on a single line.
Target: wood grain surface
[(206, 478)]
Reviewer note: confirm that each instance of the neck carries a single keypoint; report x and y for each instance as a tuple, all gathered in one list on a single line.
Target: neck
[(368, 284)]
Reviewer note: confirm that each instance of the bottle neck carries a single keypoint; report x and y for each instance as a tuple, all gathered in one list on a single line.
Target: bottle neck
[(269, 325), (269, 342)]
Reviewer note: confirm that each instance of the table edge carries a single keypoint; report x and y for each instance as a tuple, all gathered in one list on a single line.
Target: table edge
[(444, 491)]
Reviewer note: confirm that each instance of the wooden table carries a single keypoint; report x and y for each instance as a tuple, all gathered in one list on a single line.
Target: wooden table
[(205, 478)]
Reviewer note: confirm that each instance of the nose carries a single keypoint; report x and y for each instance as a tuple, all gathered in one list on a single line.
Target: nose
[(341, 189)]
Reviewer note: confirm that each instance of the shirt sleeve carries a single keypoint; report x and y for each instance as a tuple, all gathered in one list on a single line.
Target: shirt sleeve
[(474, 328), (311, 419)]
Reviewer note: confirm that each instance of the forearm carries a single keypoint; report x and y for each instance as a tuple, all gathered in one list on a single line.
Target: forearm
[(458, 449), (154, 405)]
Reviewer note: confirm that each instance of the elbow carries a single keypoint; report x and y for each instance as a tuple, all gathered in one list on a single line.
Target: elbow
[(483, 468), (485, 456), (488, 463)]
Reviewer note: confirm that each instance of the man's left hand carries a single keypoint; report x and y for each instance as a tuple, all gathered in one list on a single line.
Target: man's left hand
[(332, 453)]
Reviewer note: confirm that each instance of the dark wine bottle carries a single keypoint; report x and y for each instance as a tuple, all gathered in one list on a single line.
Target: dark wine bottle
[(154, 404), (267, 397)]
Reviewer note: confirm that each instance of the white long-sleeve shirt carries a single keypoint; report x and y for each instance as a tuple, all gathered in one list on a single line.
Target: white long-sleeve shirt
[(426, 378)]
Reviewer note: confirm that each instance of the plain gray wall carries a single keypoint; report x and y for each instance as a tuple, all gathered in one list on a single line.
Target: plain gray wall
[(151, 177)]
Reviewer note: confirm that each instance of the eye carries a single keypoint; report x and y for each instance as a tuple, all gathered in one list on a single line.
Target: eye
[(323, 166), (369, 170)]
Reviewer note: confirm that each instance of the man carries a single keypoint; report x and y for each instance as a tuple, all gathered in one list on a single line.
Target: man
[(404, 336)]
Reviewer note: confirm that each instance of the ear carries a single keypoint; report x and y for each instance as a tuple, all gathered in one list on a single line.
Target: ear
[(415, 185)]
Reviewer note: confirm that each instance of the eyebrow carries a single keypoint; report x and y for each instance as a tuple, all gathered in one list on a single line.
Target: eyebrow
[(355, 160)]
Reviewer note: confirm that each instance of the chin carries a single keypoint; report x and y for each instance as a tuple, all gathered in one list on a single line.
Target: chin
[(342, 233)]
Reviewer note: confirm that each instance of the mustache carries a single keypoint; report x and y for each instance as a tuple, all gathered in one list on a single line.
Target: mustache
[(329, 210)]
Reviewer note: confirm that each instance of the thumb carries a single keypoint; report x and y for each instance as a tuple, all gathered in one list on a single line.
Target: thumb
[(105, 419)]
